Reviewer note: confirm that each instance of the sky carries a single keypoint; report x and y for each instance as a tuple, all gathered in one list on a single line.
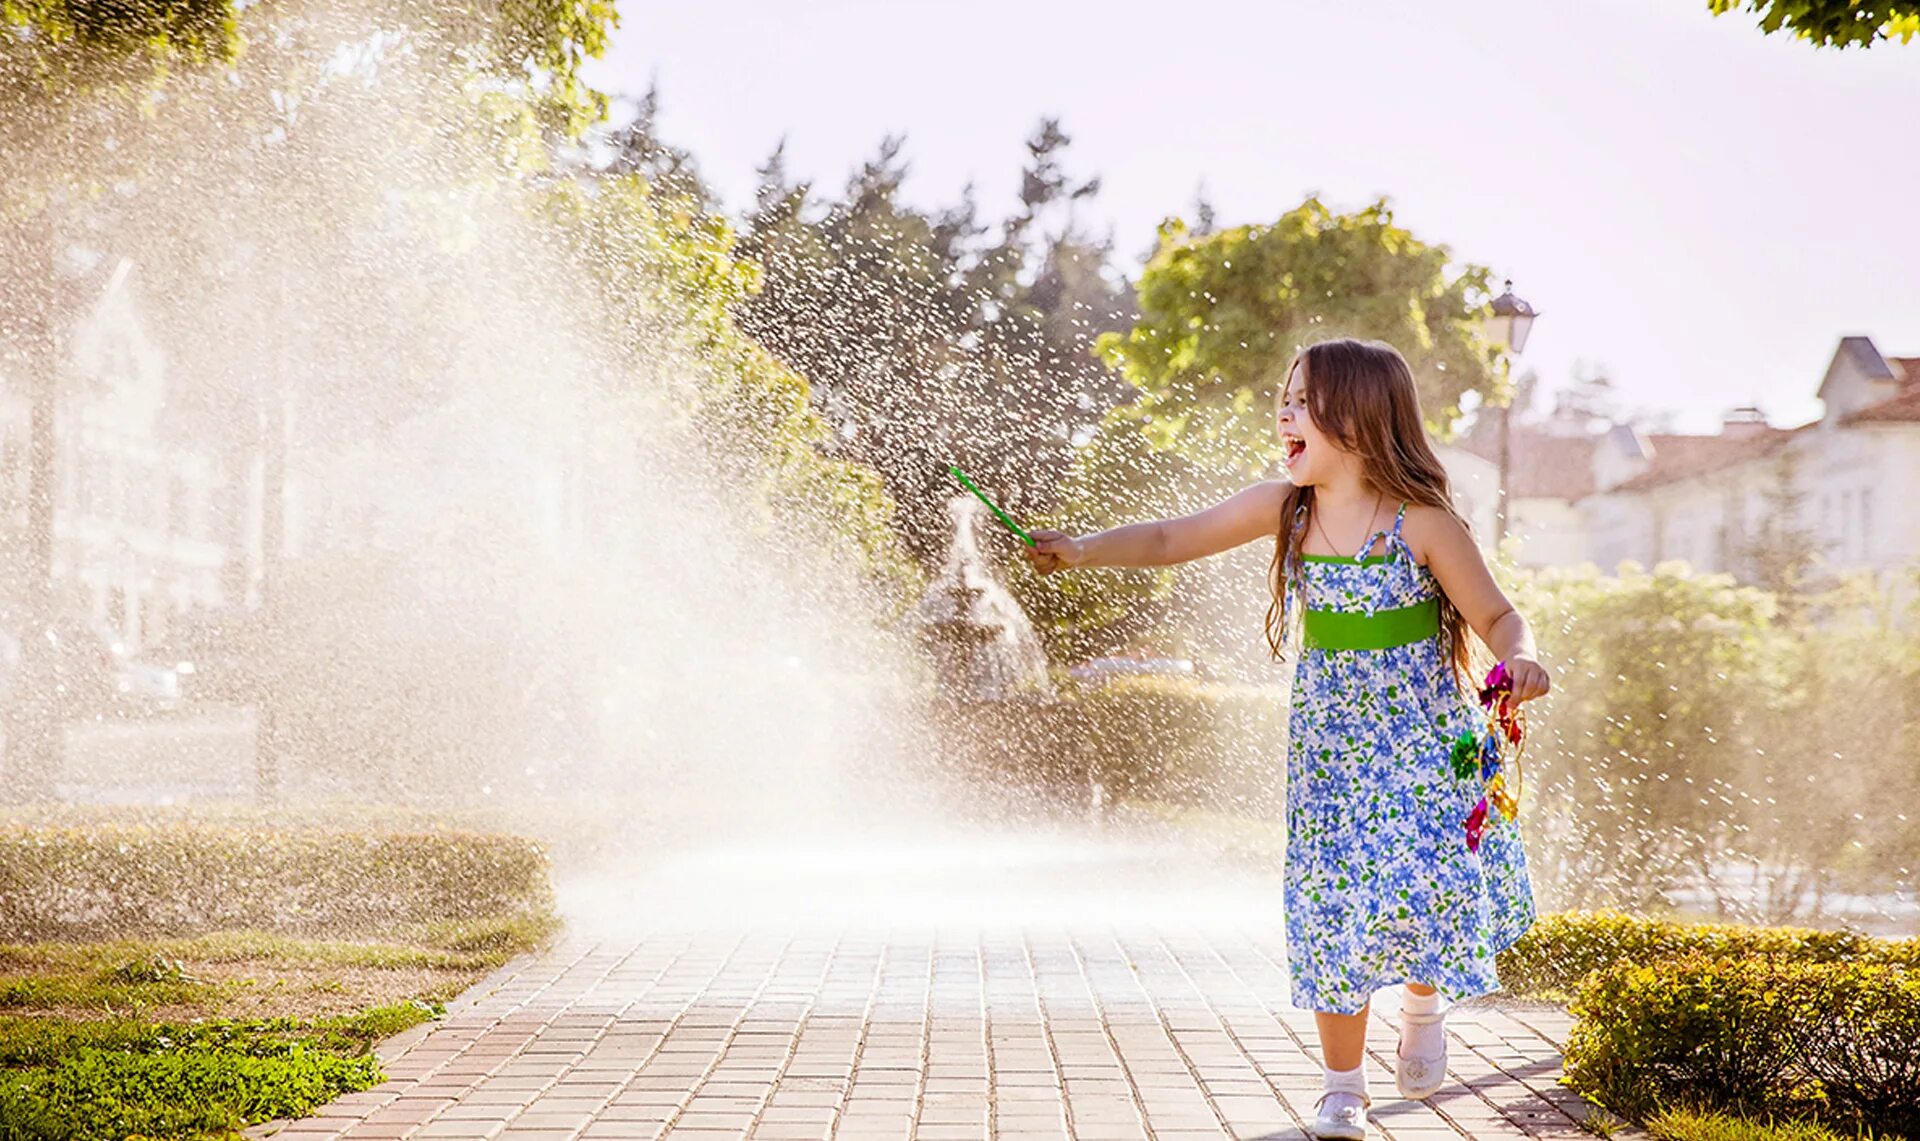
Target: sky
[(1698, 210)]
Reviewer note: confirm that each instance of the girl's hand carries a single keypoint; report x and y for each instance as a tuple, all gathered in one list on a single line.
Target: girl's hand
[(1054, 550), (1529, 677)]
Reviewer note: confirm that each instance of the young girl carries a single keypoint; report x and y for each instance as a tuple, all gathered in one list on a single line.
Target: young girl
[(1380, 885)]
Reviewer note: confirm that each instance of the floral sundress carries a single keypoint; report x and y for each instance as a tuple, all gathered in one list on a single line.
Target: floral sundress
[(1380, 886)]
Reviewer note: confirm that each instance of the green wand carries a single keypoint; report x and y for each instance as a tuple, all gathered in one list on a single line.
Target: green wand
[(962, 477)]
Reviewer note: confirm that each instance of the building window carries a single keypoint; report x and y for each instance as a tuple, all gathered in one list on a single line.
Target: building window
[(1866, 522), (1846, 524)]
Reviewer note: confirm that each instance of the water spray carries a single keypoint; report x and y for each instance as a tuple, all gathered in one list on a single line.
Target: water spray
[(962, 477)]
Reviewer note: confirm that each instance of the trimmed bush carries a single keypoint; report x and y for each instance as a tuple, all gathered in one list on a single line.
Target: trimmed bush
[(1835, 1042), (114, 881), (1187, 742), (1563, 947)]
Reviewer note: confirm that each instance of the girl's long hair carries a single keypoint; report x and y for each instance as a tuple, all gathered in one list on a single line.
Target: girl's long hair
[(1362, 394)]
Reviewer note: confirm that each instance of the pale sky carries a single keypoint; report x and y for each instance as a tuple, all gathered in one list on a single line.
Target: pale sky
[(1702, 209)]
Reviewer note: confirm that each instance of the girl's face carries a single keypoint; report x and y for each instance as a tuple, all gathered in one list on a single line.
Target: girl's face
[(1309, 454)]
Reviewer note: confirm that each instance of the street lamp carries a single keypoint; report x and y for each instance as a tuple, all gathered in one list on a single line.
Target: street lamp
[(1512, 320)]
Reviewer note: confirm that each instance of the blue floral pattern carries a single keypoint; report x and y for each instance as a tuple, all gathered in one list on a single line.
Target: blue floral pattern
[(1380, 885)]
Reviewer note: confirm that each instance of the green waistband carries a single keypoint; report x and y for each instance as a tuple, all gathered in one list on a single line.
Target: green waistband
[(1358, 630)]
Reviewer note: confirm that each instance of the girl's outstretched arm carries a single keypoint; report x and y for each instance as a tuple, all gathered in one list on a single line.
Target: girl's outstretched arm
[(1242, 517), (1440, 540)]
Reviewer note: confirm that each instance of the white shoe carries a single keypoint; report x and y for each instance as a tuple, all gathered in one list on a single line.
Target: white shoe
[(1341, 1113), (1420, 1075)]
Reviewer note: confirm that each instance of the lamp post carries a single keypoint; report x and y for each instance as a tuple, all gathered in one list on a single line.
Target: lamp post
[(1512, 320)]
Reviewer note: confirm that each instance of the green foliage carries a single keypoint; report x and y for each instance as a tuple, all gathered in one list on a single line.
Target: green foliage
[(93, 1094), (153, 969), (928, 344), (1691, 1125), (1562, 948), (1660, 679), (1221, 315), (31, 1041), (98, 993), (370, 1026), (1192, 750), (1696, 728), (58, 44), (439, 946), (668, 283), (1832, 23), (556, 38), (127, 880), (117, 1078), (1835, 1042)]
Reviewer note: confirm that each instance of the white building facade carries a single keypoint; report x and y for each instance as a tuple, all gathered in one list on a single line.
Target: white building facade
[(141, 524), (1847, 479)]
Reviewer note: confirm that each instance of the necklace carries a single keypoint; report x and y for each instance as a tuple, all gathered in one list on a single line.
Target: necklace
[(1371, 516)]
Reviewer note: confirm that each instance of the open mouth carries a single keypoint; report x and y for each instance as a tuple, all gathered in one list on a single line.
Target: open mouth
[(1293, 447)]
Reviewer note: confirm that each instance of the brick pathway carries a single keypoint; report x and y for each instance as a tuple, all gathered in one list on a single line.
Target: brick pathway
[(1090, 1028)]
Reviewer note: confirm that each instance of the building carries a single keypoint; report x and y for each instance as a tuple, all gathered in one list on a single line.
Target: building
[(1551, 470), (1611, 493), (141, 519)]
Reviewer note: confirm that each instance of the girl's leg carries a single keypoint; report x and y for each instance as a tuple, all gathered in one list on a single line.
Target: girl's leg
[(1341, 1111), (1343, 1037), (1420, 1061)]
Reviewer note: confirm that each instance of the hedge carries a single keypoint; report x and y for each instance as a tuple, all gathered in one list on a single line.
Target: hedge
[(1188, 742), (117, 881), (1835, 1042), (1562, 948)]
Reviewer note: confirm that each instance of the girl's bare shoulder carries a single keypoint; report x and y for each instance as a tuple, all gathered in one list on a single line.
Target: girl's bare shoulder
[(1427, 528)]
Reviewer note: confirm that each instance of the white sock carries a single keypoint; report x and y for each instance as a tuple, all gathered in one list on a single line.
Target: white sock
[(1419, 1003), (1344, 1080), (1421, 1039)]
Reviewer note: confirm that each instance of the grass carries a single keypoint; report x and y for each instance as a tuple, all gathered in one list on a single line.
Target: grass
[(1600, 1123), (196, 1037), (459, 947), (253, 973), (1688, 1125)]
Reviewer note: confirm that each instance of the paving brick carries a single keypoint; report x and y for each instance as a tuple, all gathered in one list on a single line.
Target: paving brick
[(928, 1034)]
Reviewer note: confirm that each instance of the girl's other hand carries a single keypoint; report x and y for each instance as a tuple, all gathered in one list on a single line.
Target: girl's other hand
[(1052, 551), (1529, 677)]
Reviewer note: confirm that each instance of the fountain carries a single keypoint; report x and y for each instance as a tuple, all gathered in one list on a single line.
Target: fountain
[(995, 699), (982, 643)]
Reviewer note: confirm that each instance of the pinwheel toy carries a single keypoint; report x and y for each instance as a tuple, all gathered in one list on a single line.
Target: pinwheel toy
[(1490, 755)]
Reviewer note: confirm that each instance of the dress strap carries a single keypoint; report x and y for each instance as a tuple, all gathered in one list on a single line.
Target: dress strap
[(1392, 536)]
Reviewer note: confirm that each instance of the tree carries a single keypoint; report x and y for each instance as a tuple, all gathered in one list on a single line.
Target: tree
[(1832, 23), (924, 346), (1783, 549), (54, 58), (1220, 317), (87, 109), (1205, 219), (860, 298), (1053, 293), (671, 171)]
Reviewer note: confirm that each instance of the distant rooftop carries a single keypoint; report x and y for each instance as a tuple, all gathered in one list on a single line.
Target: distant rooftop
[(1544, 465)]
